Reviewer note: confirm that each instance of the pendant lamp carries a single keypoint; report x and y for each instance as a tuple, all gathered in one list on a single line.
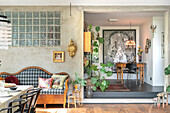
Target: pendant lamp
[(130, 43)]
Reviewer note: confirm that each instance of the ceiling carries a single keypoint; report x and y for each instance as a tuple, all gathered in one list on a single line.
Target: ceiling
[(124, 18), (82, 2)]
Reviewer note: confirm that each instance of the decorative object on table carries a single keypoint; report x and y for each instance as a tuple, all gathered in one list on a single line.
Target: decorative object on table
[(72, 48), (140, 51), (12, 79), (148, 45), (153, 28), (78, 82), (98, 80), (58, 56), (115, 49), (13, 88), (5, 32)]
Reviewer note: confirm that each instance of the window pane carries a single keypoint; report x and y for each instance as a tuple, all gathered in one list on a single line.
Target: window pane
[(36, 14), (36, 43), (29, 14), (29, 21), (22, 14), (43, 14), (29, 43), (29, 28), (15, 22), (22, 43), (22, 28), (29, 35), (43, 43), (14, 42), (14, 35)]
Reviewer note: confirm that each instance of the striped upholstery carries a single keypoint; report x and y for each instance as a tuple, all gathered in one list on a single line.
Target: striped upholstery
[(30, 77)]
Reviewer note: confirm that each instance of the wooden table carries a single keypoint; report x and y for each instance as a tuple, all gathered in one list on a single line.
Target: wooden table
[(4, 101), (141, 66)]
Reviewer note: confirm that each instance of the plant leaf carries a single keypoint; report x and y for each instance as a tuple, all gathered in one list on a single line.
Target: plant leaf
[(102, 88), (94, 67), (103, 65), (104, 83), (97, 84), (168, 89), (97, 28), (93, 80), (95, 50), (101, 40), (94, 88), (90, 27), (109, 73), (95, 44), (103, 77), (103, 70), (109, 64)]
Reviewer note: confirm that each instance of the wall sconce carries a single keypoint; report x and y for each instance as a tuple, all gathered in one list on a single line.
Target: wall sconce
[(72, 48), (153, 27)]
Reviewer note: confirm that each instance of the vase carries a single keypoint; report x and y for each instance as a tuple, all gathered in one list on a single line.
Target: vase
[(140, 58), (89, 91)]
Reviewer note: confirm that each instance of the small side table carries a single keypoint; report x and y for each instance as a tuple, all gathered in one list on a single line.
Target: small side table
[(77, 93), (159, 98), (168, 93), (73, 100)]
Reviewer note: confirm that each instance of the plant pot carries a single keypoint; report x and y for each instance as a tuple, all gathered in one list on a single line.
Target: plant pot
[(89, 91), (140, 58), (77, 87)]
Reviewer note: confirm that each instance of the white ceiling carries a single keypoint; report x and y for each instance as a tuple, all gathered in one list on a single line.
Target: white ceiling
[(82, 2), (124, 18)]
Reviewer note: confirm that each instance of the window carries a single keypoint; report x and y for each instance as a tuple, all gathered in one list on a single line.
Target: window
[(35, 29)]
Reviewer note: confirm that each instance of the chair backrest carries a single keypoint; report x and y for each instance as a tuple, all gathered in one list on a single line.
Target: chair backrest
[(131, 66), (29, 97), (37, 92), (21, 105)]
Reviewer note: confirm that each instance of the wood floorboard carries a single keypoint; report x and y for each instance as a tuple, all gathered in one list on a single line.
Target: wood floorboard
[(106, 108)]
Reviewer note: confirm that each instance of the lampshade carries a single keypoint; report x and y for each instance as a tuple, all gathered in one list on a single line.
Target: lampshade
[(5, 32), (130, 42)]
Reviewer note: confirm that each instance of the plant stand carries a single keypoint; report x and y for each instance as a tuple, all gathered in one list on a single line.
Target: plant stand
[(77, 94), (73, 100)]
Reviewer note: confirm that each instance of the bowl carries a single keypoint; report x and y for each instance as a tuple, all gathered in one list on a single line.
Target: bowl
[(13, 88)]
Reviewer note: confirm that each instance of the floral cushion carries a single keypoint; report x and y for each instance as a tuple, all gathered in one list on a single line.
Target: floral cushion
[(45, 83), (58, 81)]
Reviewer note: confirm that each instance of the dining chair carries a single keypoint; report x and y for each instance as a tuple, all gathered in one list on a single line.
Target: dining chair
[(29, 97), (132, 69), (37, 92), (10, 107)]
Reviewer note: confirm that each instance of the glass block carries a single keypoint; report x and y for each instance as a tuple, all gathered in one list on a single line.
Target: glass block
[(35, 42), (15, 14), (50, 21), (43, 43), (57, 14), (15, 22), (50, 14), (57, 42), (22, 36), (43, 14), (29, 35), (14, 28), (8, 14), (14, 42), (28, 14), (29, 28), (57, 28), (21, 21), (36, 28), (57, 36), (50, 35), (50, 43), (21, 28), (50, 28), (28, 42), (57, 21), (22, 14), (36, 35), (36, 14), (36, 21), (22, 43), (43, 35), (43, 29), (29, 21), (43, 22), (14, 35)]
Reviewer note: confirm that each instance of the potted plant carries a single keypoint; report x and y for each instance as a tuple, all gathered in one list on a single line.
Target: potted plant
[(98, 81), (78, 82), (140, 51), (167, 72)]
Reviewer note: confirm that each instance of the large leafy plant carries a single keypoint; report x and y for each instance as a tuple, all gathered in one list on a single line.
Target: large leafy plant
[(99, 81), (167, 72)]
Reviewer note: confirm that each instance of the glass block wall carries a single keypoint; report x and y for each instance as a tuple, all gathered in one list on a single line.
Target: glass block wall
[(35, 28)]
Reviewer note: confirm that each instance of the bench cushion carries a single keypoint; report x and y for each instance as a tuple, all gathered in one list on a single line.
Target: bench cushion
[(52, 91)]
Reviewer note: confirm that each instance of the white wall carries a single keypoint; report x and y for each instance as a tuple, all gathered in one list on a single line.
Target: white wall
[(158, 62), (145, 33)]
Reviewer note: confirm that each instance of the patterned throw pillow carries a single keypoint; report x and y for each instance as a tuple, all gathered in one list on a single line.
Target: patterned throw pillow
[(45, 83), (58, 81)]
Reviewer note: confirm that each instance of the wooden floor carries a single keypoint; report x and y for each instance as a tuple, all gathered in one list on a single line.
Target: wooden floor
[(106, 108)]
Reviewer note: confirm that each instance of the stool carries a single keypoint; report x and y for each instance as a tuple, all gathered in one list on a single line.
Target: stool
[(77, 93), (159, 97), (167, 98), (73, 100), (155, 100)]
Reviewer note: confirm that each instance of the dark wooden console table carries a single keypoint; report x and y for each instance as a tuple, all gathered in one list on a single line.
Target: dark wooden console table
[(140, 66)]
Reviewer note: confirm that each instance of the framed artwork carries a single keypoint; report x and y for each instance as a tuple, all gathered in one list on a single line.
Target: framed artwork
[(115, 49), (58, 56)]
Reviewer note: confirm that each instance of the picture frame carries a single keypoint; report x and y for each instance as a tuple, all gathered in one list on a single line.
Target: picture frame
[(58, 56)]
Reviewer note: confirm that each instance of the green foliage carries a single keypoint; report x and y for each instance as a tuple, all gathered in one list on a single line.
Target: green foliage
[(97, 28), (168, 89), (167, 70), (90, 27), (78, 81), (95, 44), (101, 40)]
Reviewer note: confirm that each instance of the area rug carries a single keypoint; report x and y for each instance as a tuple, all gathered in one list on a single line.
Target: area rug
[(116, 87)]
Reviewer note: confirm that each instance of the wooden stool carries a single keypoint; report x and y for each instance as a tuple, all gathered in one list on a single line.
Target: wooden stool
[(159, 98), (77, 93), (167, 98), (73, 100), (155, 100)]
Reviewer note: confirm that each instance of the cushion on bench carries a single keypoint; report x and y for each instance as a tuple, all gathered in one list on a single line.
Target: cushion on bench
[(52, 91)]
